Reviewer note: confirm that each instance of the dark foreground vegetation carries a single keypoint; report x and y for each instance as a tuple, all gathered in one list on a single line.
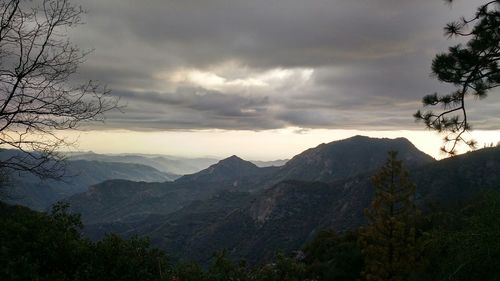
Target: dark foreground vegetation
[(459, 243)]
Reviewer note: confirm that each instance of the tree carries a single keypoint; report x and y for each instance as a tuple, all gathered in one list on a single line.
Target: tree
[(334, 256), (115, 258), (283, 268), (462, 243), (49, 247), (472, 68), (37, 96), (389, 241)]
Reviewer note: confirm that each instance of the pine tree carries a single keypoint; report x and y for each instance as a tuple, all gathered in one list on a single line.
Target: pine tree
[(472, 68), (389, 241)]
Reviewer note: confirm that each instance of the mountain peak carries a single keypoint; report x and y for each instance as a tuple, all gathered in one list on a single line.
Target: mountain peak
[(361, 137), (234, 163), (349, 157), (372, 139), (400, 144), (232, 158), (226, 169)]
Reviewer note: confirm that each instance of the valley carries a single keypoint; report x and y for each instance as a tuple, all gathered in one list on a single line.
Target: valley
[(255, 212)]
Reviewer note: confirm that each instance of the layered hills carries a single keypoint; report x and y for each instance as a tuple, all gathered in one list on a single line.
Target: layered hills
[(253, 211), (166, 164), (283, 217), (239, 206), (326, 163), (28, 190)]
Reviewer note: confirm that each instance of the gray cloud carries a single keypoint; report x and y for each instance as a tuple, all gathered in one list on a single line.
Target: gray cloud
[(189, 108), (370, 61)]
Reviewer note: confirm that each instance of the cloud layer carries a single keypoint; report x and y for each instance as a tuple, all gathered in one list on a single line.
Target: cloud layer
[(198, 64)]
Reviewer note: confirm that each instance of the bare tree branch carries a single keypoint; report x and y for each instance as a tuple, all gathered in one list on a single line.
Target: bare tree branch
[(37, 98)]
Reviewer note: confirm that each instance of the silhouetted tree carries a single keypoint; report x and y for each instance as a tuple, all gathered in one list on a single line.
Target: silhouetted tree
[(389, 241), (37, 98), (333, 256), (472, 68), (49, 247), (283, 268), (463, 242)]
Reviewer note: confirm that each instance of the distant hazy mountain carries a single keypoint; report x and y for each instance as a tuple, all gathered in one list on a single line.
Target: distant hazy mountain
[(125, 201), (283, 217), (166, 164), (28, 190), (276, 163)]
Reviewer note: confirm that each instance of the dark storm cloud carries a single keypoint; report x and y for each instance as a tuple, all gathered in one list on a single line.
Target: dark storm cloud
[(189, 108), (370, 60), (204, 101)]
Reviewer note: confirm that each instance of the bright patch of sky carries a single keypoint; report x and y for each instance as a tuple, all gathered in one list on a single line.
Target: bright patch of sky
[(251, 145)]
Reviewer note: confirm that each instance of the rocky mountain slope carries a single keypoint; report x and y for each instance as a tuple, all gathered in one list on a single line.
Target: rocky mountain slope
[(235, 201), (285, 216), (347, 158), (327, 162), (126, 200)]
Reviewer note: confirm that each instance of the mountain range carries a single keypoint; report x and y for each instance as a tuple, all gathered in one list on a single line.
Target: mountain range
[(172, 165), (85, 169), (28, 190), (253, 212), (166, 164), (290, 213), (325, 163)]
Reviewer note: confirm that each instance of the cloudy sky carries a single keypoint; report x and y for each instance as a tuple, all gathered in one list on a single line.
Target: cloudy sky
[(213, 77)]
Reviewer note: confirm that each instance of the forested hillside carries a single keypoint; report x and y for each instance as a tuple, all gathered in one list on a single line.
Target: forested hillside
[(460, 242)]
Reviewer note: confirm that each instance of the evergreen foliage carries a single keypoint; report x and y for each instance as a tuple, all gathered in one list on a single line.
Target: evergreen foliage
[(460, 244), (389, 241), (464, 244), (36, 246), (472, 68), (334, 256)]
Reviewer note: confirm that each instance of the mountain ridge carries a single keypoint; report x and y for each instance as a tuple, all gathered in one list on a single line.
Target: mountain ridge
[(288, 214), (29, 190), (348, 157), (234, 173)]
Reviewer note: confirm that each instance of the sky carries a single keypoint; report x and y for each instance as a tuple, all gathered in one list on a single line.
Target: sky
[(266, 79)]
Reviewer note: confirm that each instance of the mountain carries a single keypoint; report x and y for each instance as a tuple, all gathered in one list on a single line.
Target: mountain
[(255, 225), (229, 169), (147, 210), (28, 190), (346, 158), (276, 163), (327, 162), (232, 172), (175, 230), (117, 200), (167, 164), (453, 180), (287, 215), (249, 226), (126, 200)]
